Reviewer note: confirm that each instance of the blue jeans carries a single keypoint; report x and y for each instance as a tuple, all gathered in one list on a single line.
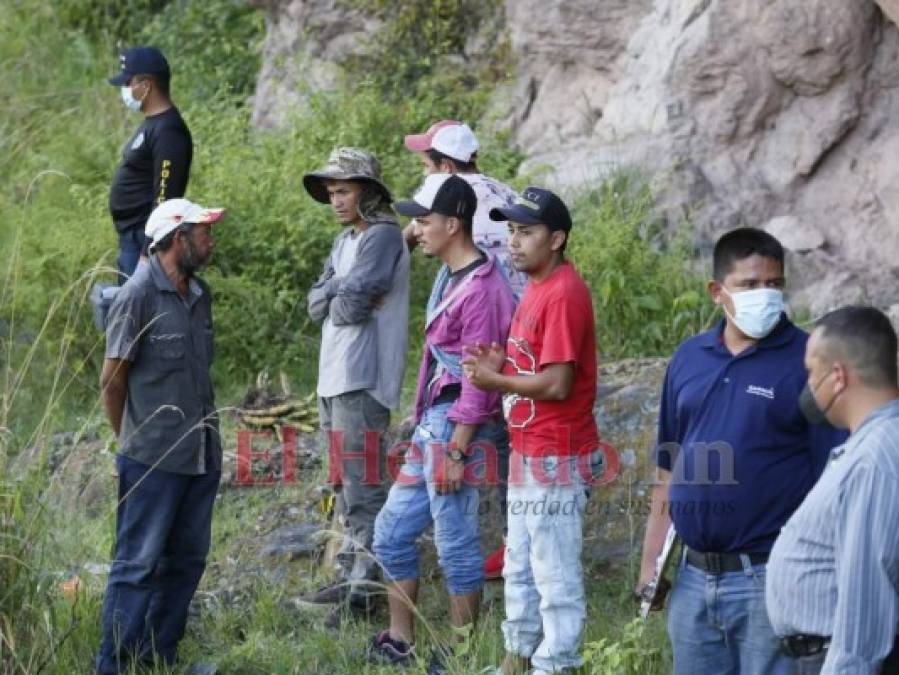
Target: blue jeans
[(132, 243), (718, 624), (163, 530), (413, 504)]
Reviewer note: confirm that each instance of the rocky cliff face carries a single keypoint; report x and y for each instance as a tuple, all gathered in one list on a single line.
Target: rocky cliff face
[(774, 114)]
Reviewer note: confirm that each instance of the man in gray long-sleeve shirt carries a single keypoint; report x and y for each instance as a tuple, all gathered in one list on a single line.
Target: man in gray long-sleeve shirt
[(362, 298), (832, 589)]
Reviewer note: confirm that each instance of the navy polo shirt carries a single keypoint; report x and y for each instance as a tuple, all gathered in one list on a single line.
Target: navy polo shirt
[(741, 453)]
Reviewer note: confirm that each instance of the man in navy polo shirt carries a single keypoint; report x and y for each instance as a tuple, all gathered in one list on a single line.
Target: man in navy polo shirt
[(735, 458)]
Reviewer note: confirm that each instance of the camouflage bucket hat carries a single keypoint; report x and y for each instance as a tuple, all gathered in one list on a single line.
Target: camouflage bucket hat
[(346, 164)]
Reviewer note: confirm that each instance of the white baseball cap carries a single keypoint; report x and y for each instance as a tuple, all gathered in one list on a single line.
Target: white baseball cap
[(456, 141), (174, 212)]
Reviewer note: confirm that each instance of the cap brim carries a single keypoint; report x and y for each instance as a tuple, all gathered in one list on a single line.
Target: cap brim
[(211, 216), (515, 213), (417, 142), (411, 209), (119, 80), (315, 185)]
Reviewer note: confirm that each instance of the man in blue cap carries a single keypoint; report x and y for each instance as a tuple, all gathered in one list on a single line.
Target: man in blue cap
[(156, 159)]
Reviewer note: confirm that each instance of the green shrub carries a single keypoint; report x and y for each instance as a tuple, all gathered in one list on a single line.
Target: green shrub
[(646, 297), (107, 20), (633, 654)]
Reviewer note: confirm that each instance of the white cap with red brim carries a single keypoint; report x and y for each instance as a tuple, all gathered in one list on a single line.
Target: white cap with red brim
[(176, 212)]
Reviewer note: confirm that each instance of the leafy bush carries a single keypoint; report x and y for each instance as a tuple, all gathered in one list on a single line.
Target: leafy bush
[(106, 20), (646, 298), (633, 654)]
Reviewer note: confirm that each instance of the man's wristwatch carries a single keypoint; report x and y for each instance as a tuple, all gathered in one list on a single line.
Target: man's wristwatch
[(455, 454)]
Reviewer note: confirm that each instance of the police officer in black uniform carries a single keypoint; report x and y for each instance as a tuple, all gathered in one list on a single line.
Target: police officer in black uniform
[(156, 159)]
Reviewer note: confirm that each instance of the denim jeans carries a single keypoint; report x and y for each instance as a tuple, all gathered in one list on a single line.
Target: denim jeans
[(544, 581), (810, 665), (718, 624), (163, 529), (132, 242), (413, 504)]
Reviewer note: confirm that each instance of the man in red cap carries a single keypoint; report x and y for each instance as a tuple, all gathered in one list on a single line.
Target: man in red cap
[(451, 147)]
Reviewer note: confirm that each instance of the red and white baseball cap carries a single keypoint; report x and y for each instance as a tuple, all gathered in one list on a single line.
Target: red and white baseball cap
[(448, 137), (174, 212), (457, 141), (422, 142)]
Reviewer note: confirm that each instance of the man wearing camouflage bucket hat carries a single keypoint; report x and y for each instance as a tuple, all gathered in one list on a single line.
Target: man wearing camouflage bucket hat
[(362, 298)]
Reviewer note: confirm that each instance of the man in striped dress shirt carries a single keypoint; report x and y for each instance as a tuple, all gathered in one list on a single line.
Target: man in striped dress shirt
[(832, 589)]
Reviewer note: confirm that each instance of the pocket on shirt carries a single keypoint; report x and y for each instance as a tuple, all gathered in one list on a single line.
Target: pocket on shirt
[(168, 351)]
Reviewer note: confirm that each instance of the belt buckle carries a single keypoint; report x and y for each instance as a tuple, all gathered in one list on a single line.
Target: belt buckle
[(713, 563), (800, 646)]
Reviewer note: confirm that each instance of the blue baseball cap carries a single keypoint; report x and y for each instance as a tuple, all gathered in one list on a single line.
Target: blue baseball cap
[(140, 61), (536, 206)]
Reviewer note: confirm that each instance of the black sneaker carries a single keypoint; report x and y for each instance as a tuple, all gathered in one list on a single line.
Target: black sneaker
[(387, 651)]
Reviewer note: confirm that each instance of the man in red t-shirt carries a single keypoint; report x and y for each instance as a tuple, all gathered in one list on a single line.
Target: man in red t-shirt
[(547, 374)]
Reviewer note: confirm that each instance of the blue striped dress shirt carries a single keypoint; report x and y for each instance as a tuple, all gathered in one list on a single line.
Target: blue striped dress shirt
[(834, 569)]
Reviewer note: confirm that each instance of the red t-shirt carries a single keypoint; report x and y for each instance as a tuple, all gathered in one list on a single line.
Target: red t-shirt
[(553, 324)]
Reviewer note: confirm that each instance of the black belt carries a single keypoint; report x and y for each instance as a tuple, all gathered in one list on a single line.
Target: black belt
[(798, 646), (716, 563)]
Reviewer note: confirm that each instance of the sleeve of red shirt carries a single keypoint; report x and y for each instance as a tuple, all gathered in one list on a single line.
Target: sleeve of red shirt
[(483, 324), (565, 324)]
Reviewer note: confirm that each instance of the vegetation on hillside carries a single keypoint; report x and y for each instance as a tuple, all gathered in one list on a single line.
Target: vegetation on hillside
[(61, 129)]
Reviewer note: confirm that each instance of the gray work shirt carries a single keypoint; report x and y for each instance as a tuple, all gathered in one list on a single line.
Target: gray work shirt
[(169, 419), (834, 569)]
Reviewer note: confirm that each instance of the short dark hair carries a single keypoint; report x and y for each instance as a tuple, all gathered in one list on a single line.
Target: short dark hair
[(166, 242), (864, 338), (467, 226), (740, 244), (160, 81), (463, 167)]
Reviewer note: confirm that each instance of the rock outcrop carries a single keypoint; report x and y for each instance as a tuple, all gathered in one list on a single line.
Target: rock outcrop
[(774, 114), (305, 42)]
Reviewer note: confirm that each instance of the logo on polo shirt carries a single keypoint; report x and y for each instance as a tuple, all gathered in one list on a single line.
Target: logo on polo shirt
[(761, 391)]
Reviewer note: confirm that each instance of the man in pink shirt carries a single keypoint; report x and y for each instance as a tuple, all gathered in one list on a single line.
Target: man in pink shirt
[(459, 427)]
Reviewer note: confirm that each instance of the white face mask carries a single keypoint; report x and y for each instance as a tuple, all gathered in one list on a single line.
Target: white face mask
[(757, 312), (129, 100)]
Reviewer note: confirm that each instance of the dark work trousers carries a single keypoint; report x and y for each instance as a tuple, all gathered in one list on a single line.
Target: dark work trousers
[(163, 531)]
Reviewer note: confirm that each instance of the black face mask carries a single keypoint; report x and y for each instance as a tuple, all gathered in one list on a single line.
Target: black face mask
[(812, 412)]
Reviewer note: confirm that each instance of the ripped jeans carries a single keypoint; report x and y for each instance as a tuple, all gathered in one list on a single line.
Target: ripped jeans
[(544, 581)]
